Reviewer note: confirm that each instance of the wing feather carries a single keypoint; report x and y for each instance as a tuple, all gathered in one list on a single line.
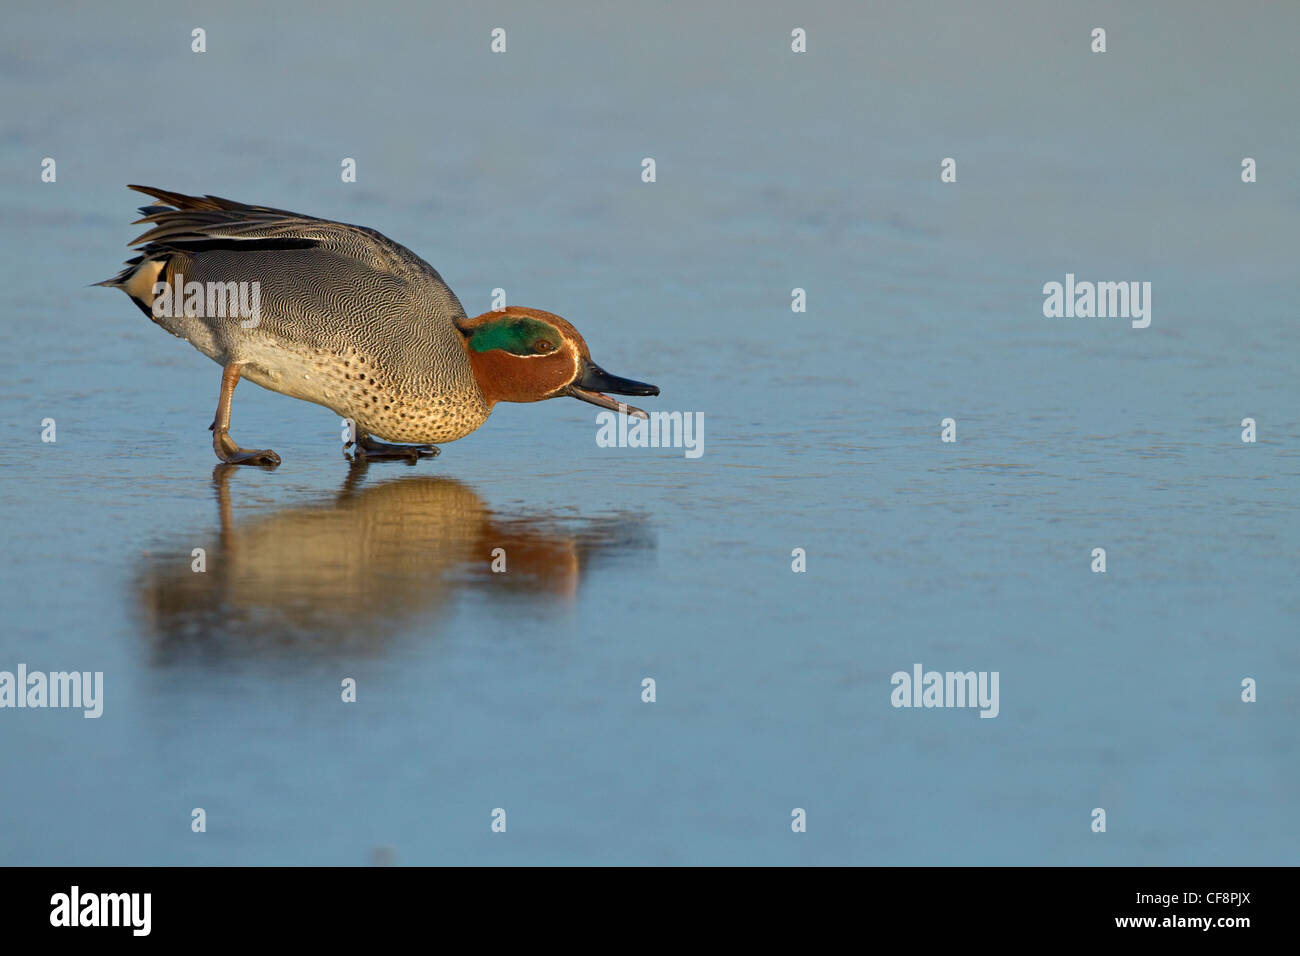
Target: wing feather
[(191, 223)]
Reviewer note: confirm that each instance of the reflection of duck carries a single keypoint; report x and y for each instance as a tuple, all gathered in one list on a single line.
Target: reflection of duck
[(350, 570)]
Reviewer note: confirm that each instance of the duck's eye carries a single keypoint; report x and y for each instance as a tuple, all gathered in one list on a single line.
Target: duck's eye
[(544, 346)]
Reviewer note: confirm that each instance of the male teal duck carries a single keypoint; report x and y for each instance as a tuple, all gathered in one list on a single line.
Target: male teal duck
[(350, 320)]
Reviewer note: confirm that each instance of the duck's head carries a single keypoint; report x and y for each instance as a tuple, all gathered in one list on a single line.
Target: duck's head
[(526, 355)]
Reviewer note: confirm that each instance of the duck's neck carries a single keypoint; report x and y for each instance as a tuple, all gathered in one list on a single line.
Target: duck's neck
[(486, 376)]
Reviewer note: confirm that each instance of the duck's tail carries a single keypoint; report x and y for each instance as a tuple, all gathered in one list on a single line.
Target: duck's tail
[(181, 216), (181, 223), (139, 275), (129, 269), (138, 278)]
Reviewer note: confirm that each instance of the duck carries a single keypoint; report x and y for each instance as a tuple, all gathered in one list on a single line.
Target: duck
[(344, 317)]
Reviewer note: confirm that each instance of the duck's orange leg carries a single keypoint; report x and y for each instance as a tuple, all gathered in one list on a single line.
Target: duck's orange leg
[(222, 443)]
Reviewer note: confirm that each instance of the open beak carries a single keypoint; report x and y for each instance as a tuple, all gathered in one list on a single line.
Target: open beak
[(593, 380)]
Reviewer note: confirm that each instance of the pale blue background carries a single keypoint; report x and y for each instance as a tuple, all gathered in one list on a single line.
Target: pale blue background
[(924, 301)]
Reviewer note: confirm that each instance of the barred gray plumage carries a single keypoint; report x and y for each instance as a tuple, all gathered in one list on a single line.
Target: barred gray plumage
[(349, 319)]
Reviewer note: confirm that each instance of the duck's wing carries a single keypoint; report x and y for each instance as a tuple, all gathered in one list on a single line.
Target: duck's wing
[(197, 224)]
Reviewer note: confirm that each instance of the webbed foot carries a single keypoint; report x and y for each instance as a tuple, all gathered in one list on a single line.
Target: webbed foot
[(366, 448), (232, 454)]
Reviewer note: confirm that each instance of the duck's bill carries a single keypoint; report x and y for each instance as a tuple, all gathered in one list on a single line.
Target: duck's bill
[(593, 381)]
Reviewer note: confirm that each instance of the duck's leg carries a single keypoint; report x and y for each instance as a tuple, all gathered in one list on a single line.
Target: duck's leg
[(222, 443), (366, 447)]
